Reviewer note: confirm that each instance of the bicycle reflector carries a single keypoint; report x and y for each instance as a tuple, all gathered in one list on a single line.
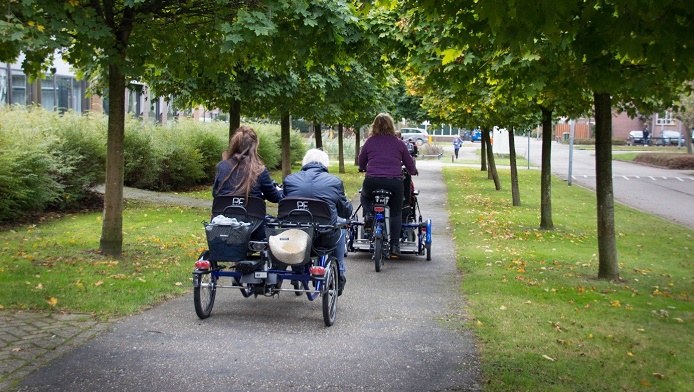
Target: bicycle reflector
[(202, 264), (379, 209), (317, 270)]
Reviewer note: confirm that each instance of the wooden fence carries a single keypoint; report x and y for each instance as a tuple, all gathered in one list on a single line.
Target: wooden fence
[(581, 131)]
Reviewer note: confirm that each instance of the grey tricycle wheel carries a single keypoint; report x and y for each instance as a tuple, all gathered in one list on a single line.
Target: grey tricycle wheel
[(378, 254), (204, 293), (330, 295)]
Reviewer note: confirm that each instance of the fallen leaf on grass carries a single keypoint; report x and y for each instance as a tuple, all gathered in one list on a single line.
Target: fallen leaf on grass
[(658, 375), (527, 302), (16, 349), (479, 323), (502, 307), (679, 320), (52, 301), (645, 383), (99, 283), (178, 284), (548, 358)]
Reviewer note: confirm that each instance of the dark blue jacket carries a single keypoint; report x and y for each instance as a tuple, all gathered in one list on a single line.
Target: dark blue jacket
[(263, 187), (314, 181)]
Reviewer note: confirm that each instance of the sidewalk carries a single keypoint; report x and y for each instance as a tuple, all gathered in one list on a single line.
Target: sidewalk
[(31, 340), (255, 344)]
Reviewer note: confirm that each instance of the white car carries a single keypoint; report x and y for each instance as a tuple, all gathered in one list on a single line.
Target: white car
[(418, 135)]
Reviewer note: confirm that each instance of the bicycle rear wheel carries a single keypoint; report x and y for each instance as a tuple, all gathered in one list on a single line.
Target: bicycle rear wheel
[(378, 253), (204, 294), (330, 295)]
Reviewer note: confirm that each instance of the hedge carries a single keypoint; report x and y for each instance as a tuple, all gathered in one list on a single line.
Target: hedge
[(51, 161)]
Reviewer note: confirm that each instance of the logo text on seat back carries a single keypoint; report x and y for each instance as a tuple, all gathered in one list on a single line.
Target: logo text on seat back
[(302, 204), (238, 201)]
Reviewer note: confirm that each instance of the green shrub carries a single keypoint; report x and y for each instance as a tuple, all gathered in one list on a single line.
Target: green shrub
[(142, 165), (297, 147), (80, 149), (210, 146), (670, 161), (269, 143), (584, 141), (180, 163), (26, 185), (591, 142), (51, 160)]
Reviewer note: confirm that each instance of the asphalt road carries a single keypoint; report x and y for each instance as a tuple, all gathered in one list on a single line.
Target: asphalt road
[(397, 330), (666, 193)]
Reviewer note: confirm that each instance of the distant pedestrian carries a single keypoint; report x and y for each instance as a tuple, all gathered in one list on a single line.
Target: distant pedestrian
[(645, 136), (457, 142)]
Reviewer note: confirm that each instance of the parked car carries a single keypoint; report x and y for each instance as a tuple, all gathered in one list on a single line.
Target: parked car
[(418, 135), (669, 138), (636, 137), (476, 136)]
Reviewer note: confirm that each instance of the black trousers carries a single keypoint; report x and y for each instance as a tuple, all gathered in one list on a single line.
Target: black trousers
[(395, 186)]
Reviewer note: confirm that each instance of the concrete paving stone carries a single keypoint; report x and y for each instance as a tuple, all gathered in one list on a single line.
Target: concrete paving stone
[(9, 367), (48, 343), (66, 332), (67, 317), (42, 323), (36, 336), (13, 336), (26, 315)]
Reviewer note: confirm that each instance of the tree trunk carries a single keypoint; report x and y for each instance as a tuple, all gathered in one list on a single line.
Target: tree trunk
[(285, 126), (111, 242), (318, 135), (340, 148), (607, 245), (357, 144), (234, 116), (483, 154), (515, 191), (492, 173), (546, 174)]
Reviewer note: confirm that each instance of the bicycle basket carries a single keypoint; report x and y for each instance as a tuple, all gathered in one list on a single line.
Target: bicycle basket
[(228, 242), (290, 246)]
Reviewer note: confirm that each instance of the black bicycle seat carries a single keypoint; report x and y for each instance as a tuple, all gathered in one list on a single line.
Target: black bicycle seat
[(381, 192)]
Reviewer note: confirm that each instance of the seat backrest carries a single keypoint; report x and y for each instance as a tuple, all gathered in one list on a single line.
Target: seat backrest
[(254, 207), (304, 209)]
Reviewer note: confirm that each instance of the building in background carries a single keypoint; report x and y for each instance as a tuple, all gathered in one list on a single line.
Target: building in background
[(60, 91)]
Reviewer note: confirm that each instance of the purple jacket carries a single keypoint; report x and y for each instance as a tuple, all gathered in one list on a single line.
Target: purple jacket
[(384, 155)]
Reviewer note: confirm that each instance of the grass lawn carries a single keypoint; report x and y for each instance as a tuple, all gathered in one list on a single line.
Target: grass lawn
[(545, 323), (55, 265)]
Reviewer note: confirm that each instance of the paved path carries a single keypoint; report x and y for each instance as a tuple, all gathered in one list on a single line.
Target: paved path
[(397, 330)]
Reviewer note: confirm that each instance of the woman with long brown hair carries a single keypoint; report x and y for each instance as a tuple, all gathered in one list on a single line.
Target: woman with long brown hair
[(241, 172), (382, 157)]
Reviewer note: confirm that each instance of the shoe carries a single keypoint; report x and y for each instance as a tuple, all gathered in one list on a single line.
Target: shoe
[(368, 222), (341, 284), (395, 251)]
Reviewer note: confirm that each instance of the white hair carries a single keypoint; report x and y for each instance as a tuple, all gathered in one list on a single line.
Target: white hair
[(316, 155)]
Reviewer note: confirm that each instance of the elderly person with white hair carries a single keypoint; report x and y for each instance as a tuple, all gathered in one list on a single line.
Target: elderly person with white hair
[(314, 181)]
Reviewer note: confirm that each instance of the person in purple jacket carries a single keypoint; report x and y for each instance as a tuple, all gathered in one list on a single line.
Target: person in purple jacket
[(382, 157)]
